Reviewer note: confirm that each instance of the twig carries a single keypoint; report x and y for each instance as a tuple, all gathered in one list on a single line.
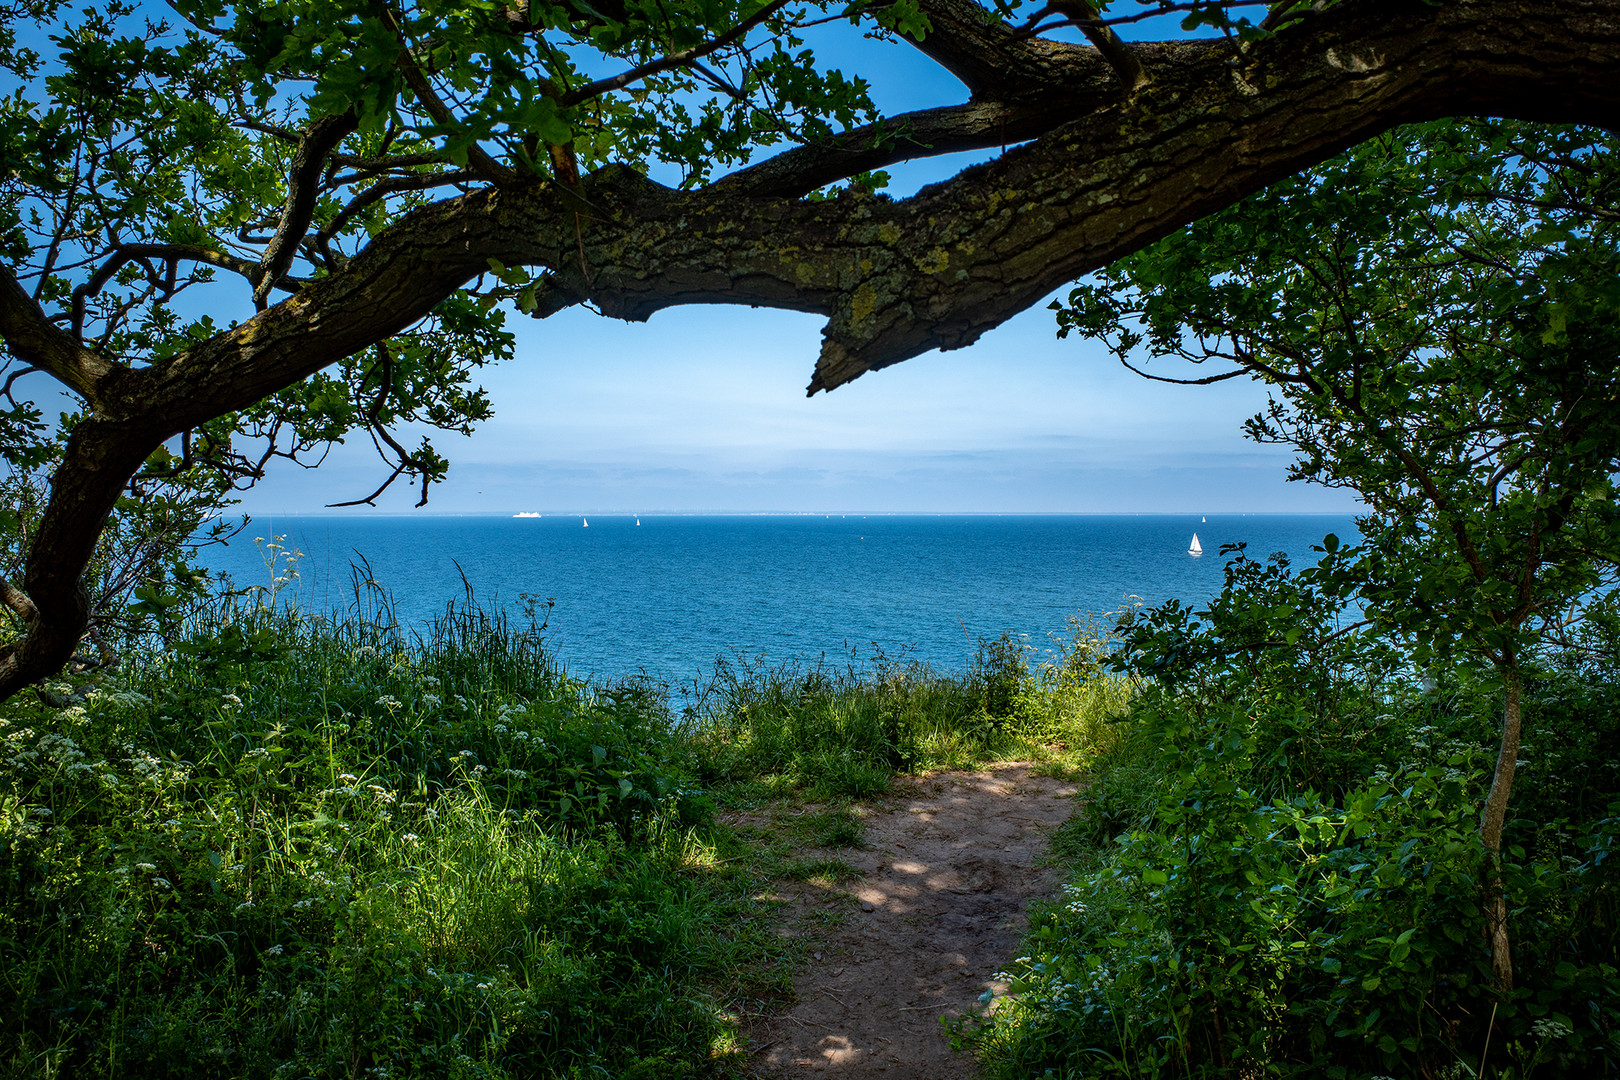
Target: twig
[(835, 997)]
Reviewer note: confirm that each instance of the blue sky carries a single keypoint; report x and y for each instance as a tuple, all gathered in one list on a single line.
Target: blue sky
[(703, 409)]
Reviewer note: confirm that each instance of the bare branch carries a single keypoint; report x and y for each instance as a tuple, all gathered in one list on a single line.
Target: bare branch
[(122, 254), (683, 58), (394, 185), (480, 161), (18, 601)]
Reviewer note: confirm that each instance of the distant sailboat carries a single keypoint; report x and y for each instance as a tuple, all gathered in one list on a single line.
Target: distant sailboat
[(587, 524), (1205, 519), (1197, 548), (638, 521)]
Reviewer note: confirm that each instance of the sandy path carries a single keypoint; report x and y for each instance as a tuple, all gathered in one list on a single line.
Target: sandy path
[(947, 875)]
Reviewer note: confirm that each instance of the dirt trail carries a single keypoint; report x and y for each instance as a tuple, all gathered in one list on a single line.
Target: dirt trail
[(947, 875)]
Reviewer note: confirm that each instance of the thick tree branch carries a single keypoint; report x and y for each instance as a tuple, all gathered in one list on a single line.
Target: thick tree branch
[(33, 339), (303, 189), (992, 59)]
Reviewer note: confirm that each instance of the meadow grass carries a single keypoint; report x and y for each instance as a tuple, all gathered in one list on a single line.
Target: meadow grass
[(275, 845)]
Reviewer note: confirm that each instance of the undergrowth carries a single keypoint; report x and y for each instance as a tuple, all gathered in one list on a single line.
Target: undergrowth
[(275, 845), (1277, 869), (288, 847)]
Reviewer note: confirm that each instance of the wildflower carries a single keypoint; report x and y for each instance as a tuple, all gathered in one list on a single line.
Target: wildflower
[(232, 699), (162, 883), (410, 838), (146, 867), (274, 950)]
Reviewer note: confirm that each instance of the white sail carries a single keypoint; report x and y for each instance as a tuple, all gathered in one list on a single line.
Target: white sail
[(587, 525), (1196, 548)]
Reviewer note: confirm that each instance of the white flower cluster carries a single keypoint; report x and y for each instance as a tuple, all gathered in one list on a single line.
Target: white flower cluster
[(127, 699)]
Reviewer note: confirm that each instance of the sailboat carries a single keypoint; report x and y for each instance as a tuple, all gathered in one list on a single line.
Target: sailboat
[(587, 525), (638, 521), (1196, 548)]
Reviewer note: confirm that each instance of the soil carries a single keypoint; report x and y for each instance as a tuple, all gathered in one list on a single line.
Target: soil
[(947, 872)]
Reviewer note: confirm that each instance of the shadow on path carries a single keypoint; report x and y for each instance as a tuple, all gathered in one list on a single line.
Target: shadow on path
[(946, 878)]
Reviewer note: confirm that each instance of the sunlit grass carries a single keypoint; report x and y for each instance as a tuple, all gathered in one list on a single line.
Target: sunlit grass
[(279, 845)]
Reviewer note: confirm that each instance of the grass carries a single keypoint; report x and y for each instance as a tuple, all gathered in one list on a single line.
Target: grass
[(284, 846)]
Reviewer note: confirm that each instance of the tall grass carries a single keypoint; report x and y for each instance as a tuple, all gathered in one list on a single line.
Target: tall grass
[(287, 846), (830, 731), (276, 845)]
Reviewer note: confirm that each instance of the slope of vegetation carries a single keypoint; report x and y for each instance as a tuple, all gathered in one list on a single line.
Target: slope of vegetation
[(283, 846), (1278, 869)]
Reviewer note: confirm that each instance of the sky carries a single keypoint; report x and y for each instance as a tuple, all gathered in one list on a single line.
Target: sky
[(703, 409)]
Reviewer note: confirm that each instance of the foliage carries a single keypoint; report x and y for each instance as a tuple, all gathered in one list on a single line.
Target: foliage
[(1283, 879), (830, 732), (291, 848), (1436, 310)]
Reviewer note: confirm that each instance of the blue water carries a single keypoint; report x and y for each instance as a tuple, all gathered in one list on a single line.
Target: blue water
[(669, 595)]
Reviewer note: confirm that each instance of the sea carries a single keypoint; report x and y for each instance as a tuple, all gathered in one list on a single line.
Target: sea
[(665, 596)]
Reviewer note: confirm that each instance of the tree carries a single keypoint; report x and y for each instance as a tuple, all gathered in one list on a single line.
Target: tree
[(1437, 310), (377, 177)]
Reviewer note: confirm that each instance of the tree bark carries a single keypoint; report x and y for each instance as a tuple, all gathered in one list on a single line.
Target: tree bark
[(1109, 169), (1491, 821)]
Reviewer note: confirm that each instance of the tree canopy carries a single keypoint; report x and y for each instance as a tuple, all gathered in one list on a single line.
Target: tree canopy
[(1437, 312), (370, 185)]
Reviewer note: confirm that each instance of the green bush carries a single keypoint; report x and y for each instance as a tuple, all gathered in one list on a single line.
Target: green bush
[(1277, 871), (292, 847)]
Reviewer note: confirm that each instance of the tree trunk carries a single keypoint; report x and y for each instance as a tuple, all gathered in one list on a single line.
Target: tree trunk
[(1490, 827)]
